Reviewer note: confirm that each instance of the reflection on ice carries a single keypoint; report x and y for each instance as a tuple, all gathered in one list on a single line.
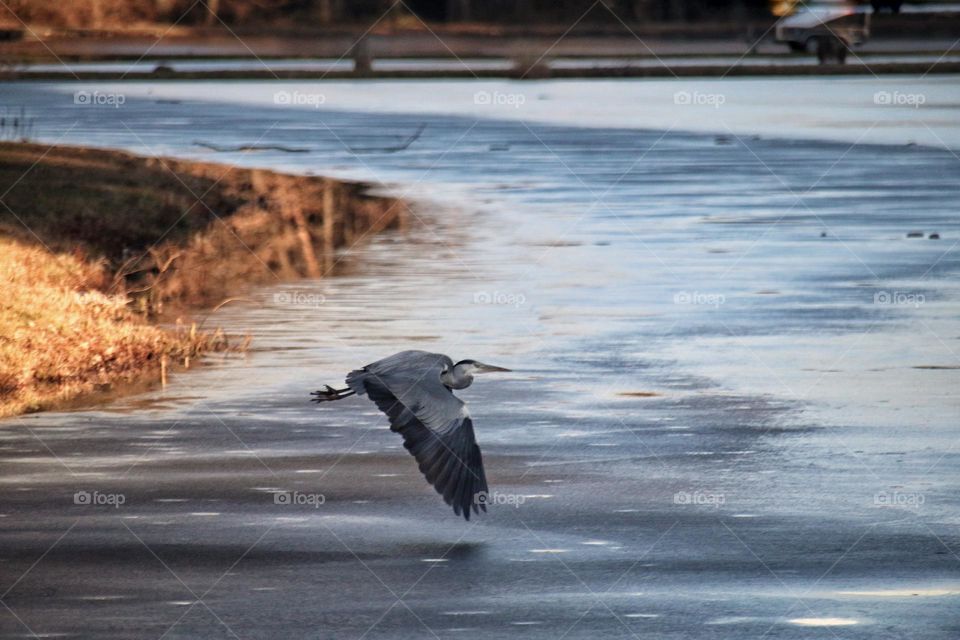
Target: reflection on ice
[(902, 593), (732, 620), (823, 622)]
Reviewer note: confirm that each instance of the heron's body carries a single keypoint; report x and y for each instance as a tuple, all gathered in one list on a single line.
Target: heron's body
[(414, 390)]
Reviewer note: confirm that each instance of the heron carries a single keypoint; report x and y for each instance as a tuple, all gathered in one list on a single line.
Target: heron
[(415, 390)]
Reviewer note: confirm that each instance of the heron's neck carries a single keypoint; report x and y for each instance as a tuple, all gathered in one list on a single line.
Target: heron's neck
[(456, 379)]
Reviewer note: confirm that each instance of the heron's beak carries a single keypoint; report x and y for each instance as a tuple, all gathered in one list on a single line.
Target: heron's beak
[(488, 368)]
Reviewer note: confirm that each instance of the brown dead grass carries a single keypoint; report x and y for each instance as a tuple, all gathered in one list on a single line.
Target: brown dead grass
[(90, 13), (100, 14), (61, 338), (93, 243)]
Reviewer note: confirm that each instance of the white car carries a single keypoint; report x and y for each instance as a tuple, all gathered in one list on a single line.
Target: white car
[(825, 30)]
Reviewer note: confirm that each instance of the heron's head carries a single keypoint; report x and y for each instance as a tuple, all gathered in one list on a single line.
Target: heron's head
[(461, 376), (472, 367)]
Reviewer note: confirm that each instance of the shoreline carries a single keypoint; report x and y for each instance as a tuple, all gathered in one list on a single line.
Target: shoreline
[(517, 45), (941, 66), (132, 257)]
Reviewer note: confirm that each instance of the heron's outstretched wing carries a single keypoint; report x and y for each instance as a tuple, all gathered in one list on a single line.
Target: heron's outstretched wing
[(434, 423)]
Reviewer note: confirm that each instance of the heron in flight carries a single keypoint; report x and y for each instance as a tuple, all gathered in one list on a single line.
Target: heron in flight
[(415, 390)]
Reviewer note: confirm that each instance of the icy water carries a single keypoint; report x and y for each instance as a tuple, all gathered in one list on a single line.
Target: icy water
[(733, 412)]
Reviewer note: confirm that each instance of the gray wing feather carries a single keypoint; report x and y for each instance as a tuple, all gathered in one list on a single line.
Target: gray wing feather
[(434, 423)]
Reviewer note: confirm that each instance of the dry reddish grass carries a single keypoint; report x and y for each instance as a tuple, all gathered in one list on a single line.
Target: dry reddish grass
[(107, 14), (92, 242), (86, 13), (60, 338)]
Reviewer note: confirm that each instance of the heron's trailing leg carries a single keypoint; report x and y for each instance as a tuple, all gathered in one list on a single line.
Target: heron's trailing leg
[(329, 394)]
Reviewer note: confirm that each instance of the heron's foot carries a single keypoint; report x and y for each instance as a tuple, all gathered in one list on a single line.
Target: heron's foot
[(328, 394)]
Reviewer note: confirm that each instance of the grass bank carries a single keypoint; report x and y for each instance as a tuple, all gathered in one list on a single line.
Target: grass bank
[(62, 338), (98, 246)]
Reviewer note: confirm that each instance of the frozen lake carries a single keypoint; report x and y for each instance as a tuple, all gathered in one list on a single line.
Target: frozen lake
[(733, 412)]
